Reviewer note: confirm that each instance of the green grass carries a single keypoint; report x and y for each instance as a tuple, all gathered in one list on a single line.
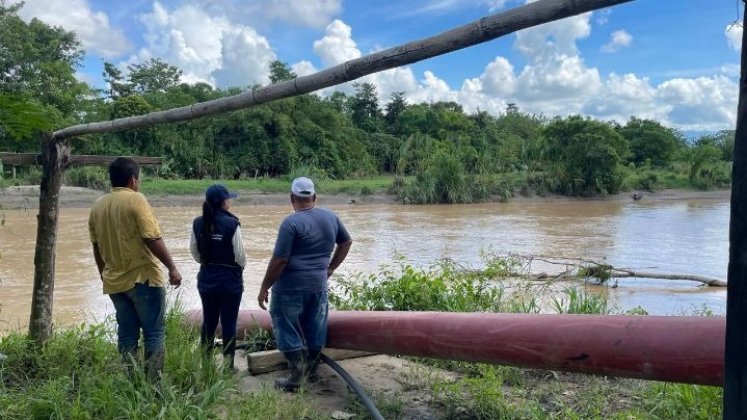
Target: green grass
[(657, 179), (79, 375), (366, 186)]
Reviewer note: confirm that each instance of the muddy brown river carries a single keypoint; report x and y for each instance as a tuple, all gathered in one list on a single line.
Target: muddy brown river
[(669, 236)]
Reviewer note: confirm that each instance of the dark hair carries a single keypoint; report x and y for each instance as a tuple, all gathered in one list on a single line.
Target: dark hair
[(121, 170), (206, 231), (300, 199)]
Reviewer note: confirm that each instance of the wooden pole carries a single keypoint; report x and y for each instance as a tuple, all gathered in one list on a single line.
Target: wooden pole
[(735, 353), (477, 32), (75, 160), (55, 158)]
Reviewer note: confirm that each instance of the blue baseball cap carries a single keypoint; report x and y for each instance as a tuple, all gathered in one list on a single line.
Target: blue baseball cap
[(217, 194)]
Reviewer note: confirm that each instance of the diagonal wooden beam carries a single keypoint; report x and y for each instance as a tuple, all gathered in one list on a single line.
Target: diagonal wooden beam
[(22, 159), (476, 32)]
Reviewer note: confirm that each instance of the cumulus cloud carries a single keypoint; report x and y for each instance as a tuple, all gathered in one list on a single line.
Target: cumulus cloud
[(618, 39), (303, 68), (700, 103), (554, 80), (554, 38), (498, 79), (206, 48), (626, 95), (733, 34), (337, 45), (92, 27)]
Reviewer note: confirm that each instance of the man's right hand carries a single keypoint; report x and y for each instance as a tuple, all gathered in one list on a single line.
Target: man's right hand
[(175, 278)]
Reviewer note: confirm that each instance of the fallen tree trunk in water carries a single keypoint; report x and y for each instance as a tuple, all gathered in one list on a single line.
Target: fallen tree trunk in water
[(663, 348), (584, 268), (617, 273)]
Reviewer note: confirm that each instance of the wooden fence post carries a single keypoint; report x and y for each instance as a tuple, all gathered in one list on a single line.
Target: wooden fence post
[(55, 158)]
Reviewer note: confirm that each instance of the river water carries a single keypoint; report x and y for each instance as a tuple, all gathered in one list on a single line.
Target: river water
[(668, 236)]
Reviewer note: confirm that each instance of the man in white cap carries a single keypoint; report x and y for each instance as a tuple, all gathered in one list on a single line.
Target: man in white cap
[(298, 273)]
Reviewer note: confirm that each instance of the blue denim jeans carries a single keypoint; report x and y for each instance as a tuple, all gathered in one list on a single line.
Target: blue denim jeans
[(299, 320), (142, 307)]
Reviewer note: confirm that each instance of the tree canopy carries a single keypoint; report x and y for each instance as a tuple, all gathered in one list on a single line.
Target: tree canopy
[(454, 155)]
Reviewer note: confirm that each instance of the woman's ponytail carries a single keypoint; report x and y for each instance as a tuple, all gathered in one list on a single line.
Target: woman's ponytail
[(206, 232)]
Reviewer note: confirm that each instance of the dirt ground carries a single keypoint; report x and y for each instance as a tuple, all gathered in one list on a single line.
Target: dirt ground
[(77, 197), (379, 375)]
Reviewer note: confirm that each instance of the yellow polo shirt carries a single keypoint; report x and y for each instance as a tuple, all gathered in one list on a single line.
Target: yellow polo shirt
[(118, 223)]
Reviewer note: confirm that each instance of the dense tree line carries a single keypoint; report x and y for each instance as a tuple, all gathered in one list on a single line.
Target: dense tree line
[(438, 152)]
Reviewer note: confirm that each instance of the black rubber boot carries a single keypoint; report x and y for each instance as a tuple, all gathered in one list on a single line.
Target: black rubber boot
[(228, 363), (296, 363), (312, 365)]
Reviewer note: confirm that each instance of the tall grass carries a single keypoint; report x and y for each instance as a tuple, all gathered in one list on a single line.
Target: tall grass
[(96, 178), (79, 374), (372, 185)]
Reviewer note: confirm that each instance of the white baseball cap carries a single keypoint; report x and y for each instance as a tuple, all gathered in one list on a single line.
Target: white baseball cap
[(302, 187)]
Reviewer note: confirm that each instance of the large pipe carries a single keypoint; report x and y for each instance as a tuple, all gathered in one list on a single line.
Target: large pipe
[(664, 348)]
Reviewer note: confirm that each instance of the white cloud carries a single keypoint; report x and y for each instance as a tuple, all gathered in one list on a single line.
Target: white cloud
[(554, 81), (246, 57), (603, 16), (92, 27), (623, 96), (558, 37), (337, 45), (433, 6), (495, 5), (730, 69), (618, 39), (733, 34), (498, 78), (303, 68), (312, 13), (707, 103), (206, 48)]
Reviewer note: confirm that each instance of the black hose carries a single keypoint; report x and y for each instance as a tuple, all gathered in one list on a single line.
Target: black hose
[(355, 385)]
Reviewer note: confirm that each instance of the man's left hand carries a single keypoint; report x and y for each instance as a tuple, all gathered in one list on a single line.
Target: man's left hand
[(263, 298)]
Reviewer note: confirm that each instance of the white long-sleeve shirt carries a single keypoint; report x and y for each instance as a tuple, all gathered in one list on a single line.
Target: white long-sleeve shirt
[(236, 241)]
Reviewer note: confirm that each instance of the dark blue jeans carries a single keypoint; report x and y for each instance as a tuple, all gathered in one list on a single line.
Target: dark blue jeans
[(223, 307), (142, 307), (299, 320)]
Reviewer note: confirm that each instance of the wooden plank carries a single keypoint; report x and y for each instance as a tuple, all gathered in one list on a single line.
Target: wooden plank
[(272, 360), (20, 159), (735, 363)]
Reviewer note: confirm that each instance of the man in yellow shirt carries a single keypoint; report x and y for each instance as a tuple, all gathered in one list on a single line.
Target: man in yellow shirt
[(127, 246)]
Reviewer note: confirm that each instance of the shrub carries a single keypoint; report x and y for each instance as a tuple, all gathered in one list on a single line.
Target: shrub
[(88, 177)]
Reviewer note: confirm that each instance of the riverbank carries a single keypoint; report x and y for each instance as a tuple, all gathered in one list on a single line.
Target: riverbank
[(73, 375), (27, 197)]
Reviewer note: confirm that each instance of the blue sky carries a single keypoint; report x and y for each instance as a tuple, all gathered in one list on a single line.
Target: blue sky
[(673, 61)]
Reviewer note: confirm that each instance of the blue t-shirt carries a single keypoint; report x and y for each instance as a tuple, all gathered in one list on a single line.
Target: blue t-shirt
[(306, 238)]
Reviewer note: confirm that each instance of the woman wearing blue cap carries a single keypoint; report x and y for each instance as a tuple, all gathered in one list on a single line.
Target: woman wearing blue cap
[(216, 244)]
